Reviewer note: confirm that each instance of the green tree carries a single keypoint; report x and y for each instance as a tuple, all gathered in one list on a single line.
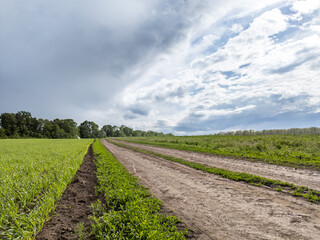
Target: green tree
[(9, 124), (52, 130), (89, 129), (116, 133), (23, 120), (36, 128), (2, 133), (125, 131), (68, 128), (101, 134), (108, 130)]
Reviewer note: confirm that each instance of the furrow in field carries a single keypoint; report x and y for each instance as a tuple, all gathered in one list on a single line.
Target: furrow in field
[(297, 176), (75, 205), (218, 208)]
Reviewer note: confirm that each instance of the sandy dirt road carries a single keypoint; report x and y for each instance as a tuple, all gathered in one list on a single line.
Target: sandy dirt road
[(299, 177), (218, 208)]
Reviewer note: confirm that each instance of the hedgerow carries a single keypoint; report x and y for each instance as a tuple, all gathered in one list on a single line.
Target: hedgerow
[(131, 212)]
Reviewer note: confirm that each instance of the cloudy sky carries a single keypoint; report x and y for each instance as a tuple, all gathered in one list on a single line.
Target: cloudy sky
[(184, 66)]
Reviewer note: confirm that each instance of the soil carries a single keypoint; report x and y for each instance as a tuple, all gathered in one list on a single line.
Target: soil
[(74, 206), (218, 208), (298, 176)]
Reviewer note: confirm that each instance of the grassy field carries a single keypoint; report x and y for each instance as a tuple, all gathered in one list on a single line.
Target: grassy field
[(288, 150), (33, 175)]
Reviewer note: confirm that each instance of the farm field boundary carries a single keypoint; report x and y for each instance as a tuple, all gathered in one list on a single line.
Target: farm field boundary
[(299, 191), (287, 150), (131, 212)]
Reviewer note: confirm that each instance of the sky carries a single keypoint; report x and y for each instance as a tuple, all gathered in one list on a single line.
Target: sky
[(186, 66)]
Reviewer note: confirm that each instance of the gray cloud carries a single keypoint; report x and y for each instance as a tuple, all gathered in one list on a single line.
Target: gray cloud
[(139, 110), (252, 120), (59, 56), (130, 116), (166, 94), (291, 66), (277, 111)]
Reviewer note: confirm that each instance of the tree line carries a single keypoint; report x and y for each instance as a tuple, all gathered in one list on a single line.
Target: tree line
[(291, 131), (23, 125)]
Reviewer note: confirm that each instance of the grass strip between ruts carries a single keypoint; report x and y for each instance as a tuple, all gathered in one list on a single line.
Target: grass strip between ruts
[(299, 191), (131, 212)]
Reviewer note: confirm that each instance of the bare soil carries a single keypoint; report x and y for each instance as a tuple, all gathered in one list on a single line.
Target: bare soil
[(218, 208), (74, 206), (298, 176)]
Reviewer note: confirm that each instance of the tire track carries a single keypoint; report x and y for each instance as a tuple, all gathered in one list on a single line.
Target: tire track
[(299, 177)]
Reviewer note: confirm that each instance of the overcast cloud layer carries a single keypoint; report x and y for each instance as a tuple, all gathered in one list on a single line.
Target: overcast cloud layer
[(192, 67)]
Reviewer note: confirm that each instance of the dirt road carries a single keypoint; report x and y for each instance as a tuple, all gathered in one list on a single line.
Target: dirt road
[(299, 177), (218, 208)]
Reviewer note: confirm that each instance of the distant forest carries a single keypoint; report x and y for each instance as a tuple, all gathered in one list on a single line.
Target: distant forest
[(291, 131), (23, 125)]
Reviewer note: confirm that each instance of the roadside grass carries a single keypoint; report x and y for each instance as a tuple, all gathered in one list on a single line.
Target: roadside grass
[(131, 212), (287, 150), (34, 174), (299, 191)]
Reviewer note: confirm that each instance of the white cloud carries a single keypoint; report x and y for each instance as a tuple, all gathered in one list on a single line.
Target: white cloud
[(236, 28), (258, 73), (305, 6)]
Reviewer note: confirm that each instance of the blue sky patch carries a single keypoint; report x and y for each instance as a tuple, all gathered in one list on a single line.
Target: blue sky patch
[(230, 74), (285, 35), (244, 65), (286, 10), (196, 91)]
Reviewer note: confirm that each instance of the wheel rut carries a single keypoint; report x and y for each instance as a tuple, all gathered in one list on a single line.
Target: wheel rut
[(298, 176)]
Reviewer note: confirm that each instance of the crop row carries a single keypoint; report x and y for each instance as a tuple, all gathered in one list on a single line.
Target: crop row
[(33, 176), (289, 150), (299, 191), (131, 212)]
